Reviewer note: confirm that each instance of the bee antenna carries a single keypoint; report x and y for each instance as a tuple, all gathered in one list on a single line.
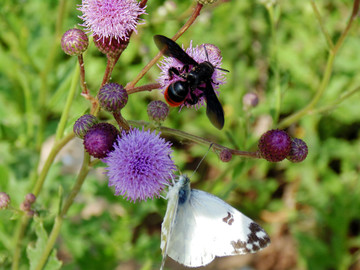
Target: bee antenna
[(207, 57), (206, 53), (197, 167), (222, 69)]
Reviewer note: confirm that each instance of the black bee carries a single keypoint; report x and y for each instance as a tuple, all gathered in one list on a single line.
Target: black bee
[(192, 79)]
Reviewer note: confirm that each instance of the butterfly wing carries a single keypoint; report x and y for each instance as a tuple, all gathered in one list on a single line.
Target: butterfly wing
[(206, 227), (167, 225)]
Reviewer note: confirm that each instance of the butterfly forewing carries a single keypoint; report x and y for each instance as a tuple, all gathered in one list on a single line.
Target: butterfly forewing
[(206, 227)]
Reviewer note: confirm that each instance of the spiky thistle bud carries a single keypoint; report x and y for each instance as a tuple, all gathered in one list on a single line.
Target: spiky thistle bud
[(112, 97), (99, 139), (274, 145), (225, 155), (83, 124), (74, 42), (30, 198), (157, 110), (25, 206), (250, 100), (298, 151), (4, 200)]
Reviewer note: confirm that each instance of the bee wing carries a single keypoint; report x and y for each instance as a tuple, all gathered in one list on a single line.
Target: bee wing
[(172, 49), (214, 110)]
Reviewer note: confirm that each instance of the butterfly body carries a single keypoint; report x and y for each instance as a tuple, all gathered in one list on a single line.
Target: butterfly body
[(199, 226)]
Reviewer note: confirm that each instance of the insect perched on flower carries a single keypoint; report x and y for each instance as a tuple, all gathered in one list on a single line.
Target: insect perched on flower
[(190, 77)]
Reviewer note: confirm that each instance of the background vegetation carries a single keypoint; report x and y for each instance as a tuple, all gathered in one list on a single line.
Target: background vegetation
[(276, 49)]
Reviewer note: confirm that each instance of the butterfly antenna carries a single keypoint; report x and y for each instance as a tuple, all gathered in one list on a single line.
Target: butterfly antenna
[(197, 167)]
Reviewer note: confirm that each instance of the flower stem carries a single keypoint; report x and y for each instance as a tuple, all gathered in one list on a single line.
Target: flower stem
[(83, 85), (47, 68), (66, 110), (59, 218), (146, 87), (123, 124), (321, 23), (21, 227), (216, 147), (50, 159), (182, 30), (327, 74)]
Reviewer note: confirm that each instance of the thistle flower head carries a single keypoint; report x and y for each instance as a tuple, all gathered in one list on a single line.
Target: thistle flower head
[(198, 53), (111, 18), (298, 151), (99, 139), (140, 165), (274, 145)]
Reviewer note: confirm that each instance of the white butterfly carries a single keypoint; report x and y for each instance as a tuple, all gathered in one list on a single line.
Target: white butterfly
[(199, 226)]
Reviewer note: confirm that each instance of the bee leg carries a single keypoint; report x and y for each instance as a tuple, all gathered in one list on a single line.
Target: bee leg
[(173, 71)]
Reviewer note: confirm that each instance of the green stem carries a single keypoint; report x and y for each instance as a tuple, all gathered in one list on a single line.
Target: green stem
[(43, 92), (66, 110), (22, 224), (275, 63), (332, 106), (60, 217), (324, 83), (18, 236), (327, 74), (50, 159), (321, 23)]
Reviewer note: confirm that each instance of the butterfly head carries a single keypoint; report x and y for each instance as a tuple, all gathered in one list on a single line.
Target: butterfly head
[(184, 188)]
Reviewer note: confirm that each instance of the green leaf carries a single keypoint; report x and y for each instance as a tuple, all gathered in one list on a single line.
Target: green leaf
[(34, 253)]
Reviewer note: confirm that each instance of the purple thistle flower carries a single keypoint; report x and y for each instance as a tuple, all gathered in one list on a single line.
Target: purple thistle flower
[(111, 18), (140, 165), (199, 55)]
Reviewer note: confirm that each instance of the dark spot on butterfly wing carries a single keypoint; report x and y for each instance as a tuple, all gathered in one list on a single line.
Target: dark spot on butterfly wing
[(229, 219), (257, 239)]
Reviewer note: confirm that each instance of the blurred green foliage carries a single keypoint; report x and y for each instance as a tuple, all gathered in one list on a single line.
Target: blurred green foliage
[(313, 206)]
